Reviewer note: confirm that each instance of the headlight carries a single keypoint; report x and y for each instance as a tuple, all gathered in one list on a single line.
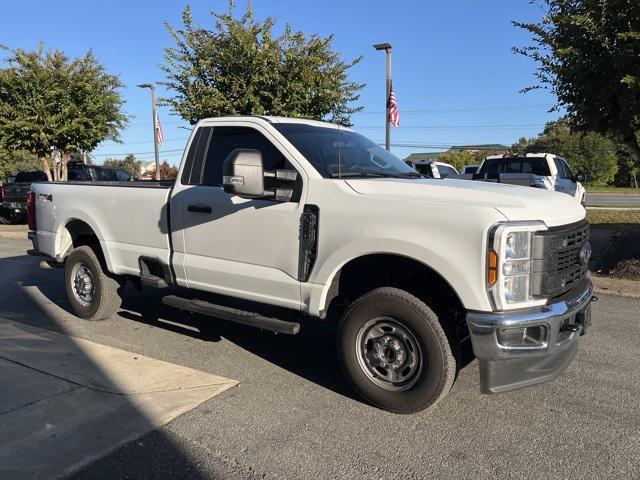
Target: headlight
[(509, 265)]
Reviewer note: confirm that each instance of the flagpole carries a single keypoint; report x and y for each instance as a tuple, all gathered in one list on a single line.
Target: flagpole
[(153, 125), (387, 48)]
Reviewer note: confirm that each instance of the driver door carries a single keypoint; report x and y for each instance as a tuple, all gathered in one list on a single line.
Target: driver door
[(233, 246)]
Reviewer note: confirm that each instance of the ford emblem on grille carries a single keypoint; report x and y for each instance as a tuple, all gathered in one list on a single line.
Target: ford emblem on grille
[(585, 253)]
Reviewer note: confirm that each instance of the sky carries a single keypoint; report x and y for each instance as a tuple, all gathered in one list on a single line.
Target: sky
[(455, 76)]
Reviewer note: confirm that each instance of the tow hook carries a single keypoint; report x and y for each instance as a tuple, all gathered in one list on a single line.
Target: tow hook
[(594, 298), (572, 328)]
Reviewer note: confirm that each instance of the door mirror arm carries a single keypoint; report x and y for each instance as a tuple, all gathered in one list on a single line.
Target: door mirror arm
[(243, 175)]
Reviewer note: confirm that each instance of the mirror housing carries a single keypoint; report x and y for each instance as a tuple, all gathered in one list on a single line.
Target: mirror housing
[(581, 177), (242, 173)]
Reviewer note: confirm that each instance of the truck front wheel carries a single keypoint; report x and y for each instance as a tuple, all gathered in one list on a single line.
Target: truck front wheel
[(394, 352), (92, 291)]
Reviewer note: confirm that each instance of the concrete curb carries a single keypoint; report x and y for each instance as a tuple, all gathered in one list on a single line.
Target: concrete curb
[(620, 287)]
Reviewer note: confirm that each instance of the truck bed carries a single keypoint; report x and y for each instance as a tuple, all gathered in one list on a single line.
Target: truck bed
[(133, 219)]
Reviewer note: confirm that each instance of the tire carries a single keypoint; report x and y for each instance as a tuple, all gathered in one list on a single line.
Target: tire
[(91, 290), (4, 220), (415, 365)]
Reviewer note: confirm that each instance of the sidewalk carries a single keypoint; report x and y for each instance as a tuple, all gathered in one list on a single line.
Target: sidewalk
[(14, 231), (65, 401)]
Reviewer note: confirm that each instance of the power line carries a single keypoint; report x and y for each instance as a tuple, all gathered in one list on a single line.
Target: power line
[(142, 142), (462, 109), (134, 153), (437, 127)]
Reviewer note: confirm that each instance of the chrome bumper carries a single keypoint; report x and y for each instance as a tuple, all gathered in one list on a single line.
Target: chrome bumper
[(505, 367)]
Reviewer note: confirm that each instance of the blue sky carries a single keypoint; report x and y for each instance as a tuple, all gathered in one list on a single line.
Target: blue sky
[(455, 77)]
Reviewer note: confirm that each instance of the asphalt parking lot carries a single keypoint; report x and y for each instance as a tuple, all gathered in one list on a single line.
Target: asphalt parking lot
[(292, 416)]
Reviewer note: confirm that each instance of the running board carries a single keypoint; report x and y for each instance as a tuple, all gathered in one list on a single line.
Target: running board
[(243, 317)]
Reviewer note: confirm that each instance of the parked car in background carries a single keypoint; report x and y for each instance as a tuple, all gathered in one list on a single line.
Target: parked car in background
[(540, 170), (304, 217), (13, 195), (467, 169), (79, 171), (432, 168)]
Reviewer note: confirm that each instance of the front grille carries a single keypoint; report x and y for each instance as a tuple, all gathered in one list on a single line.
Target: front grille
[(556, 265)]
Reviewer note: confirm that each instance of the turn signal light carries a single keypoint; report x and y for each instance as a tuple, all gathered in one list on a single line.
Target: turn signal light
[(492, 262)]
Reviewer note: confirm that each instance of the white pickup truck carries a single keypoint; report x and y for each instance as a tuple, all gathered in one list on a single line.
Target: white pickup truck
[(540, 170), (306, 216)]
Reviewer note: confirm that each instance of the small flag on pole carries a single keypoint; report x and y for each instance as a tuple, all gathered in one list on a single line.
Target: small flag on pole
[(394, 114), (159, 134)]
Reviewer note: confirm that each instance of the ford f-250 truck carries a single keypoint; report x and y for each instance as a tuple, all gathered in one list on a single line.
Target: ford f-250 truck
[(305, 216)]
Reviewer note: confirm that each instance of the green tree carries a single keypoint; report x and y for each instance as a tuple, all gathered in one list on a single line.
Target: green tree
[(52, 106), (240, 68), (129, 163), (588, 54), (11, 162), (458, 158), (589, 152)]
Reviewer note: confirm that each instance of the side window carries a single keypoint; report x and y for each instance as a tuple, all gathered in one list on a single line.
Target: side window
[(192, 171), (424, 169), (226, 139), (567, 169), (493, 166), (122, 175), (559, 165)]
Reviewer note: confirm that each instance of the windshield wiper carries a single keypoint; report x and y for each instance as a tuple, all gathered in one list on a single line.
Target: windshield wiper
[(410, 175), (363, 174)]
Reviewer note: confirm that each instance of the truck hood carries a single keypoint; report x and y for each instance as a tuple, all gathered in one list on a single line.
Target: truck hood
[(514, 202)]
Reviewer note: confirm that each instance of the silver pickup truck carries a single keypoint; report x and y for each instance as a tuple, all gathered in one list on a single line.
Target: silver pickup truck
[(308, 218)]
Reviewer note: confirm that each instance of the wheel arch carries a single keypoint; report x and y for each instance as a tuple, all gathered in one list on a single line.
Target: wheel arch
[(366, 272), (75, 232)]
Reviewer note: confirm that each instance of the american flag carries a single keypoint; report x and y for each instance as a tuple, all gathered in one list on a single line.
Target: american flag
[(394, 114), (159, 134)]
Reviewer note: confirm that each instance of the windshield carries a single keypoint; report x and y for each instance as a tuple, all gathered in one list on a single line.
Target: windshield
[(535, 165), (31, 176), (336, 152)]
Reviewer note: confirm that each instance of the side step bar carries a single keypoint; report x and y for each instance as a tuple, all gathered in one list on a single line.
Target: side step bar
[(243, 317)]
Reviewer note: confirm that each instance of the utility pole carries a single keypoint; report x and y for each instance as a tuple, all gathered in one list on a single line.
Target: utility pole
[(153, 126), (387, 48)]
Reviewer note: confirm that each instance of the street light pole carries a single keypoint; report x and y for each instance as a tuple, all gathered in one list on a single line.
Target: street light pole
[(387, 48), (156, 148)]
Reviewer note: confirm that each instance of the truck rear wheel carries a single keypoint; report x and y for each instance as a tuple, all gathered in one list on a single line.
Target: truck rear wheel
[(394, 352), (92, 291)]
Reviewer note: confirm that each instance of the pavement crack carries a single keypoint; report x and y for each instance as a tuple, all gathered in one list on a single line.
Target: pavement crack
[(44, 399)]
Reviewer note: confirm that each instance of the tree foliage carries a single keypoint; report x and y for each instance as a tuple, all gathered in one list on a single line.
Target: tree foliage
[(52, 106), (590, 153), (458, 158), (588, 54), (241, 68), (168, 172), (11, 162), (128, 163)]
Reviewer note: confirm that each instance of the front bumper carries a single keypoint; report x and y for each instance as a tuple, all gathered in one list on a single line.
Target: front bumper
[(505, 366)]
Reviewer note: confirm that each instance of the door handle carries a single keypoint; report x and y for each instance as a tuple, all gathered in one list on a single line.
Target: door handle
[(199, 208)]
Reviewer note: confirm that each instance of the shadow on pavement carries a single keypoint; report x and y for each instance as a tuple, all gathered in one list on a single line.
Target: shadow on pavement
[(311, 354), (52, 426)]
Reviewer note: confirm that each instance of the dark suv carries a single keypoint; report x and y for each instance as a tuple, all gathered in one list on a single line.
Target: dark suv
[(13, 195)]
